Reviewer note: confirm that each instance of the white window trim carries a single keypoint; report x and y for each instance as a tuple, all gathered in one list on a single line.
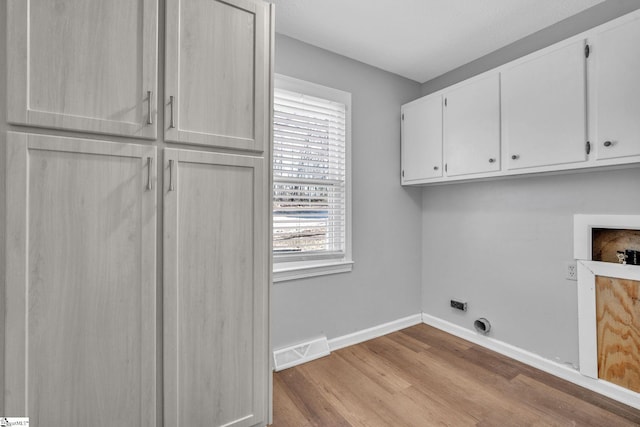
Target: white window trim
[(300, 269)]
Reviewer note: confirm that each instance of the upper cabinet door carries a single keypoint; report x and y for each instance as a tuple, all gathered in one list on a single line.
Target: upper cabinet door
[(472, 127), (615, 89), (544, 110), (217, 73), (87, 66), (422, 139)]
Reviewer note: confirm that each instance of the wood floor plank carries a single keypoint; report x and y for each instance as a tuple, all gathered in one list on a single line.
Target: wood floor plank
[(412, 372), (543, 404), (562, 406), (362, 360), (583, 394), (436, 338), (487, 359), (453, 390), (421, 376), (408, 341), (285, 411), (358, 399), (310, 400), (412, 411)]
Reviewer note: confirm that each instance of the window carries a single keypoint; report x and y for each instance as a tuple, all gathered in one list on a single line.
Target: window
[(311, 180)]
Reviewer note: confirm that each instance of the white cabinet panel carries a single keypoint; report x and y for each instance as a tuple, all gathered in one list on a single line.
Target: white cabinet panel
[(217, 73), (215, 289), (88, 66), (80, 296), (544, 109), (472, 127), (615, 104), (422, 139)]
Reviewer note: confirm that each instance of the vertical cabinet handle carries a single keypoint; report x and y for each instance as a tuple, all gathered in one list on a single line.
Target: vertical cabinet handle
[(149, 118), (149, 163), (171, 124), (170, 175)]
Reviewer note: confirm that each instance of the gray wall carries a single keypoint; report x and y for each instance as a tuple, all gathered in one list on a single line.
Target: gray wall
[(385, 282), (502, 245), (583, 21)]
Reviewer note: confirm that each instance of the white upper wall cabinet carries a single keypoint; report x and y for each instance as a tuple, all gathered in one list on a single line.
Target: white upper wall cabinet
[(422, 139), (544, 108), (472, 127), (573, 105), (217, 73), (615, 90), (86, 66)]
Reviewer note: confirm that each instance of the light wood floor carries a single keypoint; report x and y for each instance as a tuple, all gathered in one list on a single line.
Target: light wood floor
[(421, 376)]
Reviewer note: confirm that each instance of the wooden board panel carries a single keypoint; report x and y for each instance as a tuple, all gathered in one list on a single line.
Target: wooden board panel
[(618, 326), (607, 241)]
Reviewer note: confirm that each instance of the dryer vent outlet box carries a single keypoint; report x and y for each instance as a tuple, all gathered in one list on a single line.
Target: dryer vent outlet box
[(482, 325)]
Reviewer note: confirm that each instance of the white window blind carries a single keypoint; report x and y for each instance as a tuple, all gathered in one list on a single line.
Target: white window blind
[(309, 176)]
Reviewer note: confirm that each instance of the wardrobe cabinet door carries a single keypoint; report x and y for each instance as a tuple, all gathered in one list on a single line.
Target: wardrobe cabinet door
[(217, 73), (215, 290), (87, 66), (615, 104), (80, 292)]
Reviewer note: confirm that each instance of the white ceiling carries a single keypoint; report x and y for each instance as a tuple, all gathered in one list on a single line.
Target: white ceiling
[(418, 39)]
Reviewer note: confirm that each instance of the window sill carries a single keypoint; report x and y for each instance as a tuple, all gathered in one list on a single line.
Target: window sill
[(283, 272)]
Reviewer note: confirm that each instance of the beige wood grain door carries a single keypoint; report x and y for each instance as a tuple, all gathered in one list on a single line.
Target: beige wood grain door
[(80, 294), (88, 66), (217, 73), (215, 290)]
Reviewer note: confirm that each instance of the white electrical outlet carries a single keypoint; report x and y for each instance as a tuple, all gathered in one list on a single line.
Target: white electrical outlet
[(571, 271)]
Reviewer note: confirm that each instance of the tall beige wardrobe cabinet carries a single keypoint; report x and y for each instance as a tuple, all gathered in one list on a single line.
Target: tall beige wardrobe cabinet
[(135, 212)]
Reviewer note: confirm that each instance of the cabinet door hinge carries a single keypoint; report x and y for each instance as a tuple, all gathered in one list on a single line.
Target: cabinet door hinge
[(587, 50), (445, 102), (403, 116), (587, 147), (403, 173), (445, 167)]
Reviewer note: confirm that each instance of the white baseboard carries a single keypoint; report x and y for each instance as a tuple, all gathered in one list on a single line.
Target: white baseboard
[(605, 388), (374, 332)]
